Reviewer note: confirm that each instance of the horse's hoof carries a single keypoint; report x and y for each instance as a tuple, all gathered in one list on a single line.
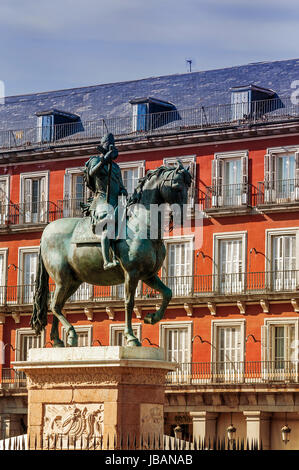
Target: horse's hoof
[(72, 339), (58, 343)]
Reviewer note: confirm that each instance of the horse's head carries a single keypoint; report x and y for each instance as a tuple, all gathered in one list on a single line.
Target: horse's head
[(175, 184)]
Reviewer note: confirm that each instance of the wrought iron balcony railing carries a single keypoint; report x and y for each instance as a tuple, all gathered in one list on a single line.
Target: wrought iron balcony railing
[(229, 195), (234, 372), (201, 117), (282, 191), (11, 378), (29, 213), (182, 286)]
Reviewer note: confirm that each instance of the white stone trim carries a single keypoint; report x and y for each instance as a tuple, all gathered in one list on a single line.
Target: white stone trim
[(18, 341), (79, 329), (34, 174), (164, 326), (121, 327), (229, 323)]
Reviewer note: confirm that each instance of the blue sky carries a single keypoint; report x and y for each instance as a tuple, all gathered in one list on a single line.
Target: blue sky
[(48, 45)]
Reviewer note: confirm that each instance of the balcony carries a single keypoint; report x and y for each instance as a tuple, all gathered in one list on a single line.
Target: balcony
[(12, 379), (278, 194), (162, 123), (232, 372), (28, 214), (229, 199), (198, 287)]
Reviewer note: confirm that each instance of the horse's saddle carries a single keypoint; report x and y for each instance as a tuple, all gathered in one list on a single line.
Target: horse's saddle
[(83, 233)]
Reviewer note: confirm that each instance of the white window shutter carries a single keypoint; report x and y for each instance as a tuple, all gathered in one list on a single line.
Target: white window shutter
[(267, 177), (141, 171), (67, 186), (214, 183), (220, 171), (245, 192), (43, 200), (27, 199)]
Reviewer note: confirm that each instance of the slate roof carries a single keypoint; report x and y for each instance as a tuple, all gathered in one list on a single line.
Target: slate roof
[(188, 90)]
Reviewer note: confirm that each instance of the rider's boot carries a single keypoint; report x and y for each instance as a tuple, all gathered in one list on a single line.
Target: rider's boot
[(105, 250)]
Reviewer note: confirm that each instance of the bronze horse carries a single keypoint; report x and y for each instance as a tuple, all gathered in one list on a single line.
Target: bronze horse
[(70, 264)]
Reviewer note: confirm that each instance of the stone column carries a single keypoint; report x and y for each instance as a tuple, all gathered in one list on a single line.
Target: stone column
[(258, 427), (204, 425), (96, 391)]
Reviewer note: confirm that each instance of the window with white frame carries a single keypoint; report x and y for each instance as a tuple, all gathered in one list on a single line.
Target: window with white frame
[(4, 199), (28, 259), (178, 267), (3, 274), (176, 340), (230, 262), (230, 179), (228, 339), (34, 197), (84, 334), (281, 169), (280, 341), (282, 259), (117, 334), (27, 339), (75, 192), (131, 173), (189, 161)]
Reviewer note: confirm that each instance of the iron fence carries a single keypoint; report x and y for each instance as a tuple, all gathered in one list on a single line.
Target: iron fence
[(200, 117), (234, 372), (11, 378), (126, 441), (35, 212)]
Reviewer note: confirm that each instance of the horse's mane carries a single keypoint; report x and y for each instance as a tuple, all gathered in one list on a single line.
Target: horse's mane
[(136, 196)]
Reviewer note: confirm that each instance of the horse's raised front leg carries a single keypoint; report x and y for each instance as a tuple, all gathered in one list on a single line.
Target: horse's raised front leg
[(130, 289), (61, 294), (156, 283)]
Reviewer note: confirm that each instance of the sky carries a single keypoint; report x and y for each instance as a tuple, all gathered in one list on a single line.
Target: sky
[(57, 44)]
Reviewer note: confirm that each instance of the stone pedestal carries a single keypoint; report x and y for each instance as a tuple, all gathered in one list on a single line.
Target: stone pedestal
[(91, 392)]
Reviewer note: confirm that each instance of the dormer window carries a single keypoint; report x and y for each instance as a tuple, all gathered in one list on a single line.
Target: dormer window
[(54, 124), (150, 113), (251, 101)]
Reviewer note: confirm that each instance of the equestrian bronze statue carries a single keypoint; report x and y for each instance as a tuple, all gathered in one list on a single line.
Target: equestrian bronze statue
[(78, 250)]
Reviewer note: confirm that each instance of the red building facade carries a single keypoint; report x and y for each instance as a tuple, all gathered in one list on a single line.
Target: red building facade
[(232, 324)]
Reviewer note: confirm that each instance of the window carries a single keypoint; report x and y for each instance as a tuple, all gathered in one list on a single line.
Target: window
[(26, 339), (177, 271), (84, 334), (75, 192), (131, 173), (240, 104), (279, 351), (151, 113), (117, 334), (28, 258), (230, 256), (4, 199), (281, 175), (282, 261), (228, 339), (34, 198), (175, 339), (45, 128), (230, 180)]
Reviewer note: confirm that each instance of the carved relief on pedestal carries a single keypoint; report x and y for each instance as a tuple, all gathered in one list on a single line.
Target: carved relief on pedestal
[(65, 423), (151, 420)]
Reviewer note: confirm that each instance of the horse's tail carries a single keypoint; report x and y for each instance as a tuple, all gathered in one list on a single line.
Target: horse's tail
[(40, 300)]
